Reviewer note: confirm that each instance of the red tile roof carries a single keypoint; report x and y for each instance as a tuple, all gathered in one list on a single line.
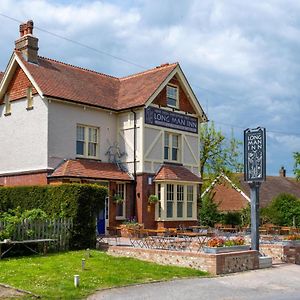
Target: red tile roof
[(63, 81), (176, 173), (88, 168), (1, 75)]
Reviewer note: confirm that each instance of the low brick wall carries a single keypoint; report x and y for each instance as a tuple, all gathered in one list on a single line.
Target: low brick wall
[(213, 263), (282, 253)]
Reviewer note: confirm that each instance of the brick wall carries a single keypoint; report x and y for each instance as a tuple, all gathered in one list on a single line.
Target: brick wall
[(184, 103), (282, 253), (24, 179), (213, 263), (18, 85)]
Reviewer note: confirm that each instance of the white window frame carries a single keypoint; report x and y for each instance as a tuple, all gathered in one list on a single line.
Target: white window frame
[(169, 145), (120, 192), (170, 95), (86, 141), (162, 205), (7, 104), (29, 98)]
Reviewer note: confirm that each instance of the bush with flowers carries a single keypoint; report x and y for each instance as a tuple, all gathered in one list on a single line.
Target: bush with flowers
[(293, 237), (220, 242)]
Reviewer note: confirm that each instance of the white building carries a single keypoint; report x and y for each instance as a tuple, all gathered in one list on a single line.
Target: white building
[(138, 134)]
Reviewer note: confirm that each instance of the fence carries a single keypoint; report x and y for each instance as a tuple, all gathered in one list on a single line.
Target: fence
[(59, 229)]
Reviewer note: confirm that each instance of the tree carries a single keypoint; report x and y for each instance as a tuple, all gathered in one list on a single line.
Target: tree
[(218, 154), (297, 165), (209, 214)]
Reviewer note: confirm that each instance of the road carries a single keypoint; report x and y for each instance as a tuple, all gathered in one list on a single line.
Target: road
[(281, 282)]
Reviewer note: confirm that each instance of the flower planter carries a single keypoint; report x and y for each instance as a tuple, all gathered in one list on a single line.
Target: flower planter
[(217, 250)]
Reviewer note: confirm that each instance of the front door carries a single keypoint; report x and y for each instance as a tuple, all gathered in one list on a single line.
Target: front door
[(103, 218)]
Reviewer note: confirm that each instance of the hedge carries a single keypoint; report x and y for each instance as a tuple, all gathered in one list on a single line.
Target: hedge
[(82, 202)]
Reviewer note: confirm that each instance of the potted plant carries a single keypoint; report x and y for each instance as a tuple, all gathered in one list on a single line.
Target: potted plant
[(129, 226), (218, 245), (153, 199), (118, 199)]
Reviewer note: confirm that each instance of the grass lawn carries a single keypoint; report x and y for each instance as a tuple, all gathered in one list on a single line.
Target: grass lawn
[(52, 276)]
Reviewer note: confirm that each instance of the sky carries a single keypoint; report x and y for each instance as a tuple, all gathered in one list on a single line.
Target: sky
[(242, 58)]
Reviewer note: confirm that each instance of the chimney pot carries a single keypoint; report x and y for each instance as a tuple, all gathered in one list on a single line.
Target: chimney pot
[(27, 43)]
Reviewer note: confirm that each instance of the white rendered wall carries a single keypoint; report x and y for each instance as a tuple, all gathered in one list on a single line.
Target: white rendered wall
[(63, 119), (23, 137)]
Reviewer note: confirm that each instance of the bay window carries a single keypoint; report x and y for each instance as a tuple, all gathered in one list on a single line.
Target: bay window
[(177, 201)]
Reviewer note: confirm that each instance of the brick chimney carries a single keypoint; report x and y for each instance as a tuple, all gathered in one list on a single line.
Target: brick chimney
[(282, 172), (27, 43)]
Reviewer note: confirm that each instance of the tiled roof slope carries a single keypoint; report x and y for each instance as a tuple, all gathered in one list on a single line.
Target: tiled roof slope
[(63, 81), (1, 75), (272, 187), (177, 173), (85, 168)]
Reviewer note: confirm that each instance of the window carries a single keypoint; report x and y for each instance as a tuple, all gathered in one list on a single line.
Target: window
[(29, 98), (120, 191), (190, 200), (159, 198), (7, 105), (172, 96), (180, 198), (87, 141), (170, 200), (171, 147), (177, 201)]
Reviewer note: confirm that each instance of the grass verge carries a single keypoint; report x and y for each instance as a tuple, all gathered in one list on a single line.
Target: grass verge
[(51, 276)]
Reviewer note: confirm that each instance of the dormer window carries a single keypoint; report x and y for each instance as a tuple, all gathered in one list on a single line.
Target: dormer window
[(7, 105), (29, 98), (172, 96)]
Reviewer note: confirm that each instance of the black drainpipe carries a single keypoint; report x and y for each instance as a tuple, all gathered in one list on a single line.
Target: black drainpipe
[(134, 164)]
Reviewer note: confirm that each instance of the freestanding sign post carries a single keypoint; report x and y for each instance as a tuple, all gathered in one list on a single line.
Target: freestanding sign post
[(255, 174)]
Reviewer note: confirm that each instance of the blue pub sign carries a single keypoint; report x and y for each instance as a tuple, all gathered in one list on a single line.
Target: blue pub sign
[(169, 119), (255, 154)]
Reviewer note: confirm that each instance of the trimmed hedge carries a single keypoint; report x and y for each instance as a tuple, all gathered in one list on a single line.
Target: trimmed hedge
[(82, 202)]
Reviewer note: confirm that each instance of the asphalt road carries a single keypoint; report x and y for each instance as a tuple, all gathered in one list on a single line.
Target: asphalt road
[(281, 282)]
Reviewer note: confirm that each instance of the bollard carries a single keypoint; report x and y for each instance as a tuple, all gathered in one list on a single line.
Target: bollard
[(76, 280), (87, 254), (83, 264)]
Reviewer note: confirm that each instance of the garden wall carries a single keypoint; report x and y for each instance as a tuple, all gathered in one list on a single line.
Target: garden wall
[(282, 253), (215, 264)]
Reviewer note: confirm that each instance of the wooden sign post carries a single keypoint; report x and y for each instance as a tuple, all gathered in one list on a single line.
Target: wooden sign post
[(255, 174)]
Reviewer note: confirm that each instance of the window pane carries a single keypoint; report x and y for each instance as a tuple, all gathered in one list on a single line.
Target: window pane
[(120, 210), (189, 209), (80, 148), (159, 198), (166, 153), (179, 209), (180, 195), (171, 101), (175, 141), (167, 139), (93, 135), (80, 133), (174, 154), (170, 198), (92, 151)]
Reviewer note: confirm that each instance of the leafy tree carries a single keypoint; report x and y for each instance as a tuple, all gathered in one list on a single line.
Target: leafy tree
[(297, 165), (209, 214), (218, 154), (282, 210)]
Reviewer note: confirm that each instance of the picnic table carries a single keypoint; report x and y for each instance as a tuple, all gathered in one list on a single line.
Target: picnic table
[(11, 244)]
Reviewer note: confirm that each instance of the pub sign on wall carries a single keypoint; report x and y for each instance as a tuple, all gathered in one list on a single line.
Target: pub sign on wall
[(255, 154), (169, 119)]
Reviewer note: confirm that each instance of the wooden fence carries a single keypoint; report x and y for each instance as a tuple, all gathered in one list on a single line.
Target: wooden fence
[(59, 229)]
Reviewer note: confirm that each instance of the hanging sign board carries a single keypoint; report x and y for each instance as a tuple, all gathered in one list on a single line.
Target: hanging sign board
[(169, 119), (255, 154)]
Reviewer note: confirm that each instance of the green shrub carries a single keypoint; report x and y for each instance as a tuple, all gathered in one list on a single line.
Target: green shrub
[(282, 210), (209, 214), (231, 218), (81, 202)]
